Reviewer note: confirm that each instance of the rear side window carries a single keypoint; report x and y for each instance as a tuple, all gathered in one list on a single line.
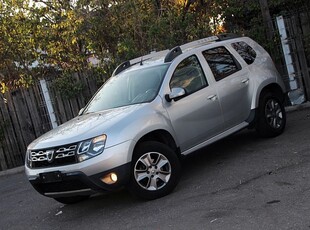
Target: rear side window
[(221, 62), (246, 52)]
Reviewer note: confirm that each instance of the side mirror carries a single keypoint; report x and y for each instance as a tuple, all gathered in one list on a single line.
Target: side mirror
[(81, 111), (176, 93)]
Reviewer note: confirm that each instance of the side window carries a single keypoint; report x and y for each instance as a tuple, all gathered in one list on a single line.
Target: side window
[(189, 76), (246, 52), (221, 62)]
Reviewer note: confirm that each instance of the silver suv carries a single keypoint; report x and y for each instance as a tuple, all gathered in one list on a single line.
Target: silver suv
[(153, 110)]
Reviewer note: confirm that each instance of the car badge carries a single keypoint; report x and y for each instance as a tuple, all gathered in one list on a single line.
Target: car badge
[(50, 155)]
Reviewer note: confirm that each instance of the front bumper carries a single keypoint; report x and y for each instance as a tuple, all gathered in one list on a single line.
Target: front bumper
[(84, 178), (77, 183)]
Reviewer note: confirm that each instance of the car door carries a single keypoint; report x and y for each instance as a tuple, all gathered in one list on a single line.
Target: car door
[(197, 116), (232, 82)]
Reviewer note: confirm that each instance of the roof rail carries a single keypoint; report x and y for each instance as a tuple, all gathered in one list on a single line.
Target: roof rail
[(173, 53), (127, 64), (158, 54), (176, 51), (121, 67), (199, 42), (227, 36)]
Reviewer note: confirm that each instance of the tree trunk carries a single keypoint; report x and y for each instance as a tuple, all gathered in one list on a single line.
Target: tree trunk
[(267, 18)]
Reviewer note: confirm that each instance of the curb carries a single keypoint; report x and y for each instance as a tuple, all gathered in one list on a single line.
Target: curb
[(12, 171), (297, 107), (288, 109)]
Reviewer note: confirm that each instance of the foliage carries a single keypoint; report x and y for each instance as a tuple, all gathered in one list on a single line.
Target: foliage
[(38, 35), (68, 85), (16, 45)]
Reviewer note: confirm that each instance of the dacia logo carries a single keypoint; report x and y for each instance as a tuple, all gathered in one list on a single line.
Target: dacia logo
[(50, 155)]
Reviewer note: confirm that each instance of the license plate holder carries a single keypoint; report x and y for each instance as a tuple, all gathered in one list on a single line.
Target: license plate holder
[(51, 177)]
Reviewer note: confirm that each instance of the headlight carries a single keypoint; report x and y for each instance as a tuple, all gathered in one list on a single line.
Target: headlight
[(28, 159), (91, 148)]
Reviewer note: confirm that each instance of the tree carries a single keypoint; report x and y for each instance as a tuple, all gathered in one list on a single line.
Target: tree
[(16, 44), (41, 37), (267, 18), (36, 38)]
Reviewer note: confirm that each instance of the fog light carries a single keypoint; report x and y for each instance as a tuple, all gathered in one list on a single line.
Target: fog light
[(110, 178), (113, 177)]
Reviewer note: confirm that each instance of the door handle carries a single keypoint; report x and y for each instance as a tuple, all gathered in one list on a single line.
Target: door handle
[(245, 81), (212, 97)]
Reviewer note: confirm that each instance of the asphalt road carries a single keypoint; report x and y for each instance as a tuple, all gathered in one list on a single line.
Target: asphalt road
[(242, 182)]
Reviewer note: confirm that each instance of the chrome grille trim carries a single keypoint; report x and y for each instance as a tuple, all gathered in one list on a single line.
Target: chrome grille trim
[(38, 156), (54, 156), (62, 155), (63, 149)]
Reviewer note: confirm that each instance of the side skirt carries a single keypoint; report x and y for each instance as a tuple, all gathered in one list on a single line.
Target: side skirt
[(216, 138)]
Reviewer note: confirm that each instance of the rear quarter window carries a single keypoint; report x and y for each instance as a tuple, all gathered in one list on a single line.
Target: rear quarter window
[(245, 51)]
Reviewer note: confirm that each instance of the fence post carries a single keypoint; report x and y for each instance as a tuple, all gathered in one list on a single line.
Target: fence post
[(3, 165), (48, 103), (287, 53), (296, 95), (300, 50)]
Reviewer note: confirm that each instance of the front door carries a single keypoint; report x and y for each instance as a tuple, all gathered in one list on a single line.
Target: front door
[(197, 116)]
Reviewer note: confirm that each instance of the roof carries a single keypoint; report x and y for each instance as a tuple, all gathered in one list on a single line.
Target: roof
[(170, 55)]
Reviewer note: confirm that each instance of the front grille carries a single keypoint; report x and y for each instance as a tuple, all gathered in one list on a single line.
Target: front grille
[(58, 156)]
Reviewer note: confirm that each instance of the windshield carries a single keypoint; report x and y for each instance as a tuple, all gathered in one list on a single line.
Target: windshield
[(127, 88)]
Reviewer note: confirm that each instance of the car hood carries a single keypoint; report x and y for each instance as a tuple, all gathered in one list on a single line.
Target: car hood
[(83, 127)]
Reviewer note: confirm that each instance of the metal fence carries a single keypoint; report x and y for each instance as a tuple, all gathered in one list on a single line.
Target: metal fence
[(297, 26)]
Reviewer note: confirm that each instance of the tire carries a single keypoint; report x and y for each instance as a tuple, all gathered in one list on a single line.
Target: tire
[(155, 171), (71, 199), (271, 116)]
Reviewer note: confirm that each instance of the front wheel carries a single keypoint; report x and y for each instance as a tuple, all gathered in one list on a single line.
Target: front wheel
[(271, 118), (155, 171)]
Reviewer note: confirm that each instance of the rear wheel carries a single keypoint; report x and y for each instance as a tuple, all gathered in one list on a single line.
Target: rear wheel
[(271, 116), (71, 199), (155, 171)]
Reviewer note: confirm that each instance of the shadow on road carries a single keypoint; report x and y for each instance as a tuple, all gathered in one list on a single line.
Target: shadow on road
[(193, 165)]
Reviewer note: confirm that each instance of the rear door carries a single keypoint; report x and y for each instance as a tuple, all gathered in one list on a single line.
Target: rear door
[(232, 82)]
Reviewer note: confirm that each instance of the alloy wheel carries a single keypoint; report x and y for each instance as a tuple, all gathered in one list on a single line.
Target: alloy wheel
[(152, 171), (273, 113)]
